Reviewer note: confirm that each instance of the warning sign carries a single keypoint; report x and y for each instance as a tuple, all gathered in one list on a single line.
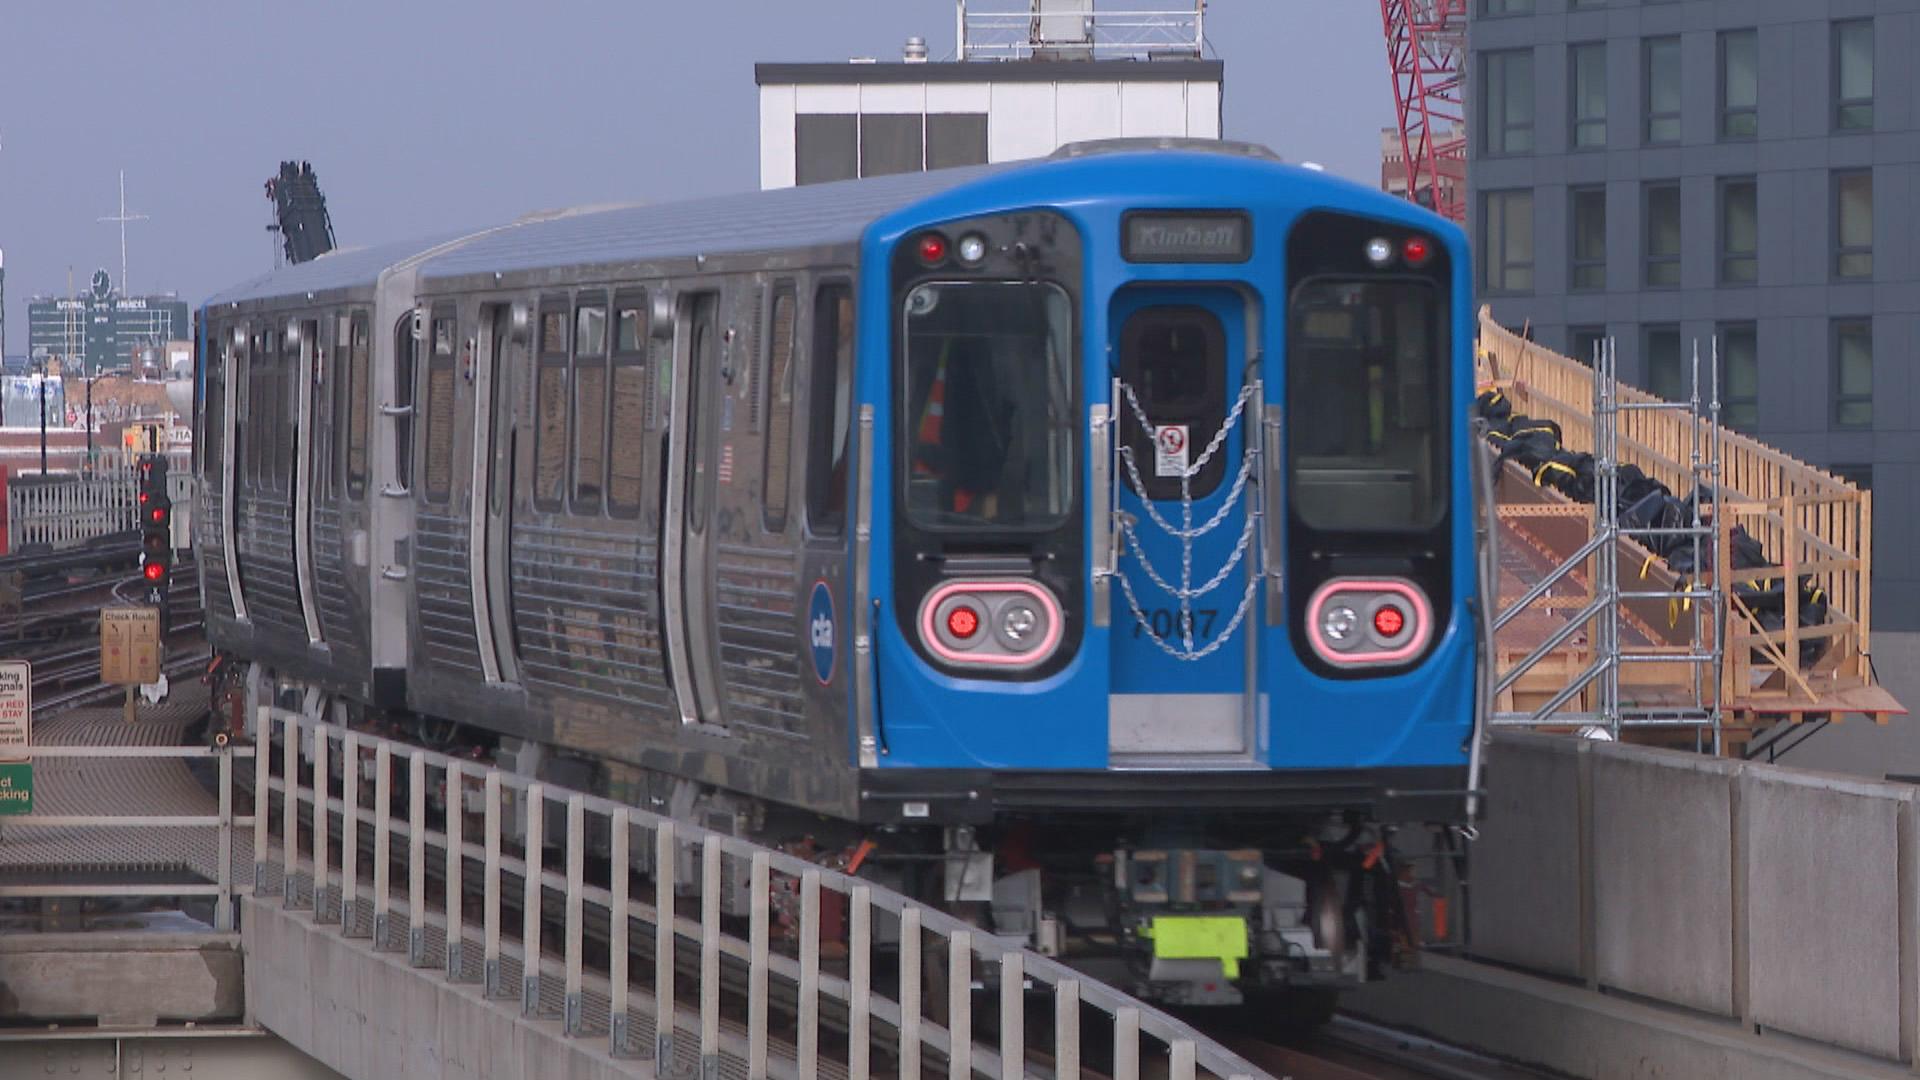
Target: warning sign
[(16, 788), (16, 709), (129, 645), (1170, 450)]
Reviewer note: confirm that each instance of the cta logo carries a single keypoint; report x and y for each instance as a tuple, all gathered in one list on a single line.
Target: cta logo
[(820, 631)]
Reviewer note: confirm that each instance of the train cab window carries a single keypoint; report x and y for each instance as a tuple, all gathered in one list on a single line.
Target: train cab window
[(830, 409), (626, 456), (358, 362), (778, 466), (1174, 358), (405, 348), (589, 405), (987, 424), (1366, 393), (550, 412), (440, 393)]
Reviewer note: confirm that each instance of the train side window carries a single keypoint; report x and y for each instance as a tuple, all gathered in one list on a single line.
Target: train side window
[(405, 353), (778, 467), (356, 390), (440, 433), (294, 426), (626, 448), (830, 408), (550, 412), (266, 419), (213, 365), (589, 404)]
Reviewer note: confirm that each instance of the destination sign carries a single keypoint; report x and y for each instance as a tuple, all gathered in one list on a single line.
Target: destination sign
[(1190, 236)]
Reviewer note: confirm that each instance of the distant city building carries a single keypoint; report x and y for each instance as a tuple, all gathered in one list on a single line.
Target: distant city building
[(1024, 86), (102, 330), (1393, 162)]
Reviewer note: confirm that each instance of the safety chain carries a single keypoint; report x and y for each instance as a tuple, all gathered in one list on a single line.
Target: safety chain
[(1186, 533)]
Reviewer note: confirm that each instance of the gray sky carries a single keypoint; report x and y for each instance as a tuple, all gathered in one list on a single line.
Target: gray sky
[(421, 115)]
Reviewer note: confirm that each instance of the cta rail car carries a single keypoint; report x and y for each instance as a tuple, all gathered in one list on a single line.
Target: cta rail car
[(1088, 543)]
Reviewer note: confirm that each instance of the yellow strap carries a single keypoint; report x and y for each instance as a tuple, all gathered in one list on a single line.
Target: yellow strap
[(1646, 566)]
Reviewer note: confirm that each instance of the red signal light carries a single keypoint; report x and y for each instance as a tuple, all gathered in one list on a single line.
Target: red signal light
[(963, 622), (144, 497), (1389, 621), (933, 249), (1416, 250), (159, 515), (155, 571)]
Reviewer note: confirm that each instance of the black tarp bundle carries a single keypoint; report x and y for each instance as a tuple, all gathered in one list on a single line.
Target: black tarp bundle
[(1646, 503)]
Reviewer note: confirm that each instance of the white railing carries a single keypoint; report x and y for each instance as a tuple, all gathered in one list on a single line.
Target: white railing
[(65, 511), (1017, 29), (810, 948), (222, 824)]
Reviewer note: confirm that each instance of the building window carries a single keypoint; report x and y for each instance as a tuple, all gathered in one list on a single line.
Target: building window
[(1663, 235), (1506, 7), (1739, 376), (1853, 75), (891, 143), (956, 139), (1587, 206), (1853, 224), (1660, 92), (1583, 340), (826, 146), (1660, 350), (1578, 4), (1509, 98), (1507, 218), (1739, 231), (1852, 373), (1587, 68), (1739, 84)]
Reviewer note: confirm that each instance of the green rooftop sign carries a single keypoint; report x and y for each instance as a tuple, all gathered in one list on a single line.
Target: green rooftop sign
[(16, 787)]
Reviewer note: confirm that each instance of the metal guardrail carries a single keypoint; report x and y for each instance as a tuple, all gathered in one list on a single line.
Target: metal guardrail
[(864, 915), (1018, 29)]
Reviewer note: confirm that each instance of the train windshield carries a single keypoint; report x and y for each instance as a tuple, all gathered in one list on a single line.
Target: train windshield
[(1366, 393), (988, 415)]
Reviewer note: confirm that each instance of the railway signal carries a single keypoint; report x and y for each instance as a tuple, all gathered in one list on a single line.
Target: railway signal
[(156, 529)]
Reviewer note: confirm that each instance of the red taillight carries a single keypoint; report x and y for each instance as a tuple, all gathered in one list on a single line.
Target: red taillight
[(1389, 621), (963, 622), (1416, 252), (155, 571), (933, 249)]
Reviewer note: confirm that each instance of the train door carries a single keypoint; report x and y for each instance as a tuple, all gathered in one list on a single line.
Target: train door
[(348, 526), (1182, 687), (232, 401), (688, 562), (304, 373), (504, 329)]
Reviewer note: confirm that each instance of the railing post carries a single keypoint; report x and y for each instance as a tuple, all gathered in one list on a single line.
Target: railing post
[(618, 918), (1066, 1030), (576, 884), (1181, 1067), (417, 859), (665, 863), (710, 875), (490, 883), (262, 793), (289, 810), (223, 907), (535, 844), (321, 740), (382, 840), (959, 1005), (456, 863), (1013, 1015), (349, 829), (759, 901), (1126, 1044), (808, 1050), (860, 981), (910, 976)]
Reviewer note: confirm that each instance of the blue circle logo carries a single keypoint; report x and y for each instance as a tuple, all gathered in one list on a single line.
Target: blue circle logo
[(820, 631)]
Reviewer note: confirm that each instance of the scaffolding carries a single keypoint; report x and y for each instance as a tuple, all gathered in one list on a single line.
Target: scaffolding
[(1692, 702)]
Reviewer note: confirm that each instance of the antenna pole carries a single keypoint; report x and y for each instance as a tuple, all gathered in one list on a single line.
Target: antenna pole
[(122, 218)]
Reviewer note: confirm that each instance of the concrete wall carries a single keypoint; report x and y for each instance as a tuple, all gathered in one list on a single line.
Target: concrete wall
[(1784, 899)]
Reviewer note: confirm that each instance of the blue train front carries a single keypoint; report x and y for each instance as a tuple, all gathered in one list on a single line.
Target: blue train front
[(1165, 558)]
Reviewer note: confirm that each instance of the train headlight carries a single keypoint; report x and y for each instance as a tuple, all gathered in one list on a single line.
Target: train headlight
[(1018, 621), (1338, 623), (1379, 251), (972, 249)]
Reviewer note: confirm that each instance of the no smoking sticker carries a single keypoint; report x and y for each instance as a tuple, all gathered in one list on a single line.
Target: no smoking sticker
[(1170, 450)]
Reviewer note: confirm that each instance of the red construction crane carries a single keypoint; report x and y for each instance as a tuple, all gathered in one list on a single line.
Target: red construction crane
[(1426, 53)]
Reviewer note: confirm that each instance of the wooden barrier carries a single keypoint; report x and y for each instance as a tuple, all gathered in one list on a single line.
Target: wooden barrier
[(1810, 522), (66, 510)]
